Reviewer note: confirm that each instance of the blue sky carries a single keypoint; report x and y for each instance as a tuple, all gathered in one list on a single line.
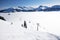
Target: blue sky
[(14, 3)]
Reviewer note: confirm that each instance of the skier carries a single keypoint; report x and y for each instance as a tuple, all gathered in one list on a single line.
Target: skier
[(25, 25)]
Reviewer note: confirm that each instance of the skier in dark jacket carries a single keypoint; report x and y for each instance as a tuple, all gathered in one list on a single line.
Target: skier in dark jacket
[(25, 25)]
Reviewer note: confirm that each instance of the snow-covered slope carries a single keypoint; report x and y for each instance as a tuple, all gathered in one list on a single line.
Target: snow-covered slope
[(10, 31), (48, 21)]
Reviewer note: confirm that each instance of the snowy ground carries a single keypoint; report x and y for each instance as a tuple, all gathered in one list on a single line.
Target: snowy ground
[(48, 22)]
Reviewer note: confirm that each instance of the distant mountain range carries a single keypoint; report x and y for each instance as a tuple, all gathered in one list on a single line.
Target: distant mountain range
[(31, 9)]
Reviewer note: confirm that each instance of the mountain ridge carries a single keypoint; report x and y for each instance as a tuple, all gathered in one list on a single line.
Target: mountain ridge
[(31, 9)]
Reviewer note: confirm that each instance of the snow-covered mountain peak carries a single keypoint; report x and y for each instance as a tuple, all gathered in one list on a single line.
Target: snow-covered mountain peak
[(31, 9), (25, 8)]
